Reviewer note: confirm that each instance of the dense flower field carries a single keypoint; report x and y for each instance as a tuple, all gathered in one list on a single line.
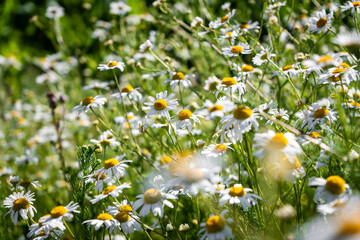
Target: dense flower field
[(192, 119)]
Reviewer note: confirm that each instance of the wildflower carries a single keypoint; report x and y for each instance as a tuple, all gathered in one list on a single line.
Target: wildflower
[(241, 121), (262, 57), (320, 21), (58, 213), (114, 166), (244, 27), (212, 84), (153, 199), (106, 220), (145, 46), (28, 183), (279, 114), (271, 144), (348, 39), (316, 138), (119, 8), (184, 117), (237, 194), (54, 12), (122, 213), (354, 5), (231, 36), (20, 203), (285, 169), (112, 65), (178, 78), (231, 85), (96, 84), (184, 227), (332, 207), (221, 21), (342, 74), (38, 228), (215, 228), (217, 109), (128, 91), (113, 191), (89, 102), (354, 98), (330, 189), (99, 180), (318, 113), (161, 105), (216, 150), (106, 139), (197, 22), (235, 51)]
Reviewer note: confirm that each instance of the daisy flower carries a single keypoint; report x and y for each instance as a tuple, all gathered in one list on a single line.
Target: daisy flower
[(244, 27), (271, 144), (89, 102), (354, 5), (28, 183), (221, 21), (245, 71), (145, 46), (106, 220), (342, 74), (58, 213), (320, 21), (318, 113), (354, 96), (217, 109), (20, 203), (54, 12), (99, 180), (178, 78), (262, 57), (106, 139), (235, 51), (231, 36), (123, 214), (215, 228), (330, 189), (348, 39), (154, 200), (316, 137), (183, 118), (212, 84), (119, 8), (216, 150), (269, 108), (284, 169), (161, 105), (114, 166), (291, 70), (279, 114), (128, 91), (332, 207), (113, 191), (36, 228), (112, 65), (237, 194), (231, 85), (241, 121), (197, 22)]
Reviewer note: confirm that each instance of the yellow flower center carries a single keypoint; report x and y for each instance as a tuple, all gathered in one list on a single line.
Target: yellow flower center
[(127, 89), (152, 196), (178, 76), (165, 160), (110, 163), (242, 112), (42, 233), (220, 148), (247, 68), (349, 227), (25, 183), (111, 64), (215, 224), (278, 141), (356, 4), (224, 19), (109, 189), (184, 114), (122, 217), (285, 163), (125, 208), (130, 117), (244, 25), (87, 101), (315, 135), (216, 108), (105, 142), (96, 176), (264, 56), (338, 70), (320, 113), (21, 120), (335, 185), (104, 216), (287, 67), (334, 79), (228, 81), (237, 191), (344, 65), (237, 49), (20, 203), (58, 211), (193, 175), (228, 34), (355, 104), (160, 104), (321, 23), (325, 58)]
